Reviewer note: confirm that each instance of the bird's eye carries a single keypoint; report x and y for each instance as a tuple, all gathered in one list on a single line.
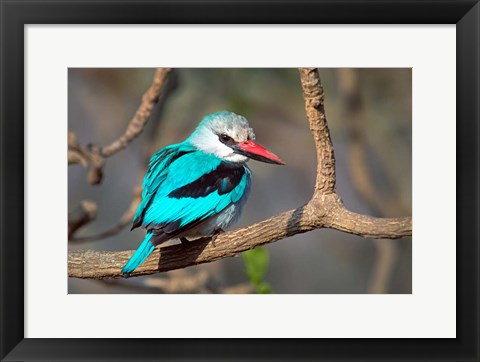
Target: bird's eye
[(225, 138)]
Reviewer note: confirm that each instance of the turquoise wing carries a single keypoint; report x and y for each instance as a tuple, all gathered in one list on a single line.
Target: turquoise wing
[(190, 189), (156, 175)]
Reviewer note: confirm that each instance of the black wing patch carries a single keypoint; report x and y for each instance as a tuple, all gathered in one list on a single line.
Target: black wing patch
[(223, 179)]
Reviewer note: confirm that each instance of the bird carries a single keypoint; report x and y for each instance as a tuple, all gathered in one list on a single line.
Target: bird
[(196, 189)]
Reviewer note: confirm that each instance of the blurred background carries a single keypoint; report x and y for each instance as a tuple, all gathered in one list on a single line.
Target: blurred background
[(369, 112)]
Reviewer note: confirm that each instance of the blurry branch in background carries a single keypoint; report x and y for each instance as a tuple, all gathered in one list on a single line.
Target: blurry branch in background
[(93, 156), (173, 283), (124, 221), (243, 288), (85, 212), (383, 267), (177, 283), (356, 125), (139, 120), (362, 181), (154, 133), (324, 210)]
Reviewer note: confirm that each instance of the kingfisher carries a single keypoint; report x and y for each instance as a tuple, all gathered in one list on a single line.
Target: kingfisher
[(196, 189)]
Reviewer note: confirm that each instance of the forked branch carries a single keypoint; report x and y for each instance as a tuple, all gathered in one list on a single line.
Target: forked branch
[(93, 156)]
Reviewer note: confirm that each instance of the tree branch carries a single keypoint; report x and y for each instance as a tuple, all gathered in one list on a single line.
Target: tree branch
[(368, 226), (314, 97), (324, 210), (103, 264), (94, 156), (139, 120), (77, 154)]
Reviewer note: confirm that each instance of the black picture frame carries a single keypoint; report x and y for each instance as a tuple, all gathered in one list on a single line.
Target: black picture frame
[(15, 14)]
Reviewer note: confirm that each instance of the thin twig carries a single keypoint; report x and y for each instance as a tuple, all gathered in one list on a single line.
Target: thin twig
[(85, 212), (93, 156), (124, 221), (141, 117)]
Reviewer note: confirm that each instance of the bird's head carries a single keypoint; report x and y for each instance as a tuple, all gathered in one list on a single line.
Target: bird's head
[(229, 137)]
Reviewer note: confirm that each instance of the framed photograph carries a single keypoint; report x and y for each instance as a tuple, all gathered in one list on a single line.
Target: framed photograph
[(295, 188)]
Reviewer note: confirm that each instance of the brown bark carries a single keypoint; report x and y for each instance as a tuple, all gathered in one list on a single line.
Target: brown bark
[(314, 97), (324, 210)]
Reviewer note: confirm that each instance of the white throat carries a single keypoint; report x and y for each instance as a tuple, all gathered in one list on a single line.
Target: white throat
[(206, 141)]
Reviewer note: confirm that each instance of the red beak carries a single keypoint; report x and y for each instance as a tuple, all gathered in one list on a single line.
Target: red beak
[(256, 152)]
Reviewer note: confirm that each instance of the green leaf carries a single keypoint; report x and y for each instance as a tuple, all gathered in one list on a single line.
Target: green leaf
[(256, 264), (264, 288)]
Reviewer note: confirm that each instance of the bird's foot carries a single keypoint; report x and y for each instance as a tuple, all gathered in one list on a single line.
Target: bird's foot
[(184, 240), (212, 240), (214, 236)]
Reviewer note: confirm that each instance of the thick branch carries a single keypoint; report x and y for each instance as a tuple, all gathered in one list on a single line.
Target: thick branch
[(368, 226), (327, 213), (314, 97), (103, 264)]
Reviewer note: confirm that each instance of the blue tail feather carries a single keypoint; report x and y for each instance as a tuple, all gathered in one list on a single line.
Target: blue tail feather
[(142, 253)]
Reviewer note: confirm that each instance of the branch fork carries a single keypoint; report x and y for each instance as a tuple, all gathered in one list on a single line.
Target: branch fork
[(93, 156)]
